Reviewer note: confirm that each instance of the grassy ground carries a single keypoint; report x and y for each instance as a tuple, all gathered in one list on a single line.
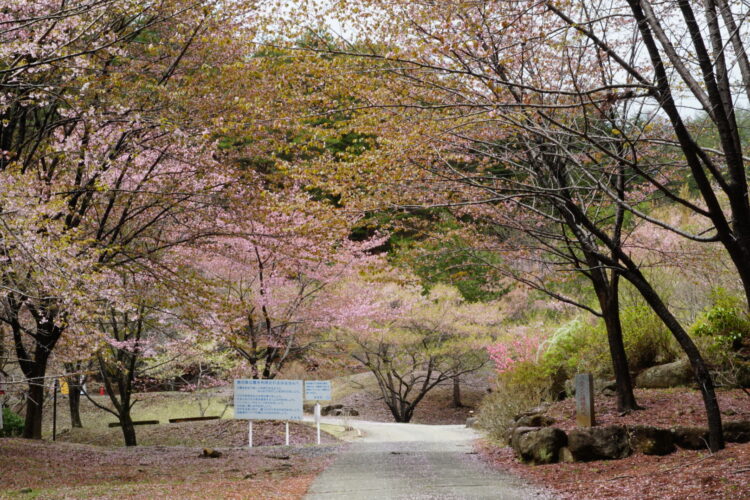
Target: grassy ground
[(159, 406)]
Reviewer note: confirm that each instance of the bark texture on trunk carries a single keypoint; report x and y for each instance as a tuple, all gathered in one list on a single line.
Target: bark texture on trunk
[(74, 401), (128, 429), (34, 409), (610, 305), (456, 399)]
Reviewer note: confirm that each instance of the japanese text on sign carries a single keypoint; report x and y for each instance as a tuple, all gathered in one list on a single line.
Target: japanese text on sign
[(317, 390), (268, 399)]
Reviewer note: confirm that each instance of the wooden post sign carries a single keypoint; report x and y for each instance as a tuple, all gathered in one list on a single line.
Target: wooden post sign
[(585, 400)]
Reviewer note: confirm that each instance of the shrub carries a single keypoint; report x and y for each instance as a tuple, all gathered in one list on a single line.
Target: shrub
[(647, 339), (517, 390), (577, 347), (723, 332), (728, 326), (506, 354), (581, 347), (12, 424)]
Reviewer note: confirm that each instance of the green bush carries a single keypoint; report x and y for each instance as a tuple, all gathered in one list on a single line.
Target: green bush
[(726, 323), (522, 388), (722, 332), (581, 347), (12, 424), (647, 339), (577, 347)]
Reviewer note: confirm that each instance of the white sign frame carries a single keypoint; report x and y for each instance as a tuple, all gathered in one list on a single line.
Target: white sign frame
[(256, 399)]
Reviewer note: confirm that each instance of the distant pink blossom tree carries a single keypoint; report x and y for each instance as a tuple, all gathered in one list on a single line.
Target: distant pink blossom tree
[(275, 286)]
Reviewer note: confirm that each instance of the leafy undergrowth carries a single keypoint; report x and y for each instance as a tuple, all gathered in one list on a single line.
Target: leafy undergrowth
[(33, 469), (681, 475), (211, 433), (662, 408)]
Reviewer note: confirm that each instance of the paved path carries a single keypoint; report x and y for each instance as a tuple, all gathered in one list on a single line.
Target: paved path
[(410, 461)]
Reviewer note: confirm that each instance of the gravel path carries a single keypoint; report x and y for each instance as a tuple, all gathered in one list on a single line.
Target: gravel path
[(410, 461)]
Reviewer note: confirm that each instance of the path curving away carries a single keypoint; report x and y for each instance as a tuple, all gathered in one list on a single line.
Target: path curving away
[(412, 461)]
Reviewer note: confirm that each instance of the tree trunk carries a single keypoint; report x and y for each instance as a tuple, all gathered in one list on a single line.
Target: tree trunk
[(607, 290), (456, 403), (34, 368), (128, 429), (620, 366), (75, 385), (34, 407), (401, 411), (74, 400), (700, 370)]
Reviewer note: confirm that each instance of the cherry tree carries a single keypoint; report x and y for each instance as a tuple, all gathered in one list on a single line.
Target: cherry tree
[(275, 285), (416, 342), (583, 90), (97, 178)]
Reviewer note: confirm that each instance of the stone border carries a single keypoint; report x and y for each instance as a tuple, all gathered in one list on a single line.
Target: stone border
[(547, 444)]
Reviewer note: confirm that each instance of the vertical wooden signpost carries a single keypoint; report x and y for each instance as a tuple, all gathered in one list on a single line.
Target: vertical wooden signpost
[(585, 400)]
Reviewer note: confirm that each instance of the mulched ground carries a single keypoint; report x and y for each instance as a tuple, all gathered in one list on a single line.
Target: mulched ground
[(663, 408), (681, 475), (36, 469)]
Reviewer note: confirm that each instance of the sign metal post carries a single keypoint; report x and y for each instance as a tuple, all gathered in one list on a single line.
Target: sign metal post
[(317, 419), (317, 390), (250, 434)]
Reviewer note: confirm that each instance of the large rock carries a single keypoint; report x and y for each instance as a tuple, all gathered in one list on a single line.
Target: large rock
[(737, 432), (537, 420), (565, 456), (690, 438), (599, 443), (329, 409), (651, 440), (344, 412), (696, 438), (678, 373), (514, 435), (541, 446), (602, 386), (537, 410), (532, 418)]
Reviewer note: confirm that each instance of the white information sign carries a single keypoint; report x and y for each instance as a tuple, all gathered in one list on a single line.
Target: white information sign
[(268, 399), (318, 390)]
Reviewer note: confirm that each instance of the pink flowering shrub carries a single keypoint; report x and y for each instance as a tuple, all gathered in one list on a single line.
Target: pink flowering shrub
[(506, 354)]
